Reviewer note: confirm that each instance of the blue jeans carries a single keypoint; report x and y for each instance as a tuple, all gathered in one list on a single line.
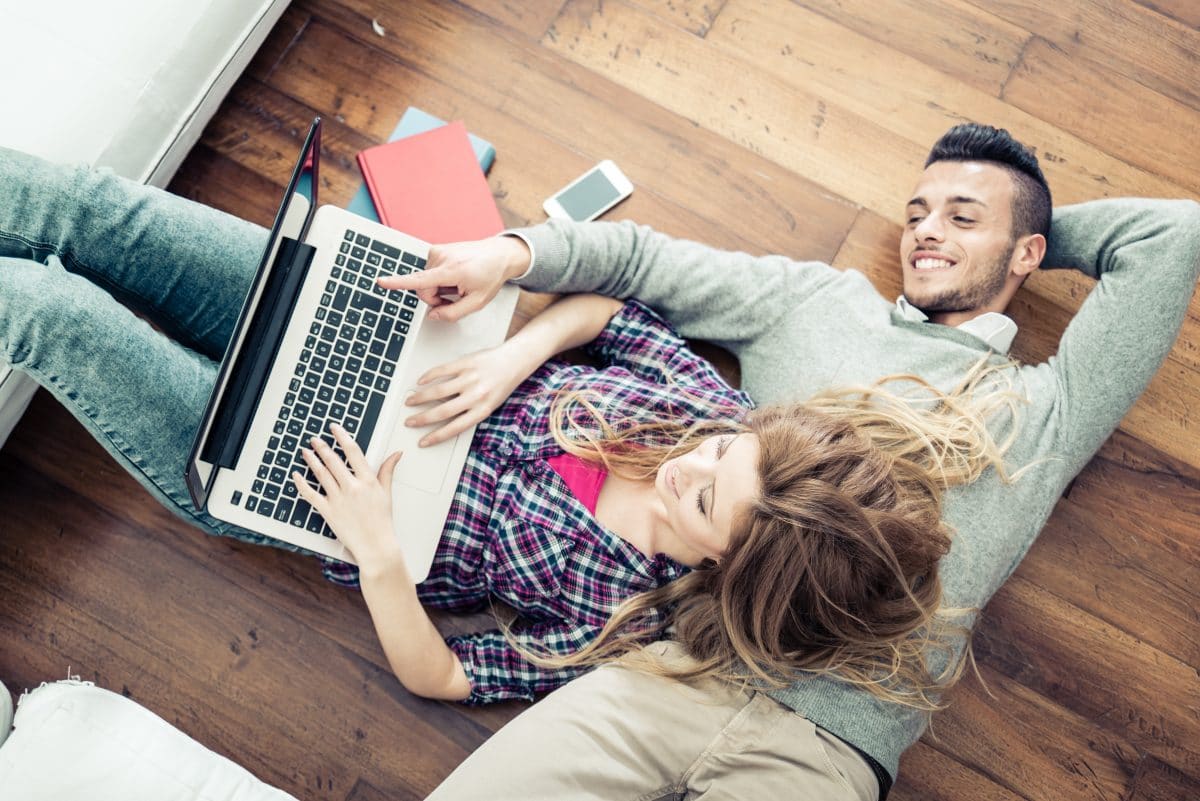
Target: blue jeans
[(80, 253)]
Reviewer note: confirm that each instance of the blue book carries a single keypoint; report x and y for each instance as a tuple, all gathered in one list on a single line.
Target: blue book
[(416, 121)]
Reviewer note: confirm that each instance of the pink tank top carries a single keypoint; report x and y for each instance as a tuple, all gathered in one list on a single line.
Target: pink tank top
[(584, 479)]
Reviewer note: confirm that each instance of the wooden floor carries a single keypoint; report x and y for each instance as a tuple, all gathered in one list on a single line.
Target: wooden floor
[(762, 125)]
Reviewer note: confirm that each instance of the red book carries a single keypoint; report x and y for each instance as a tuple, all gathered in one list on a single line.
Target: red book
[(430, 186)]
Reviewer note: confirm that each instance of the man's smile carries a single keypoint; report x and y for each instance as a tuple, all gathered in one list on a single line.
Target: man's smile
[(930, 260)]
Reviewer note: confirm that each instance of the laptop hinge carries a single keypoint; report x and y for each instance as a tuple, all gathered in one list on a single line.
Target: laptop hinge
[(254, 361)]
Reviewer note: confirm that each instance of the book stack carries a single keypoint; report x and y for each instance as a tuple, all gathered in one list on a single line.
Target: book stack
[(429, 181)]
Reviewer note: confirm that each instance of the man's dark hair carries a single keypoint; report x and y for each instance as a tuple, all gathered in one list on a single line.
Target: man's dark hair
[(1031, 195)]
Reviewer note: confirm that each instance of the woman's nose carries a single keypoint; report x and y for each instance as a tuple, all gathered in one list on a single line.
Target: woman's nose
[(692, 466)]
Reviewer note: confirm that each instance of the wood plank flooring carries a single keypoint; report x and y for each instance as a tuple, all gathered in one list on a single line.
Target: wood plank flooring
[(760, 125)]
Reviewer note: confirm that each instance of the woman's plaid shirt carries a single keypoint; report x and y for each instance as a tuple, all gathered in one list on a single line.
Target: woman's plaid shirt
[(516, 533)]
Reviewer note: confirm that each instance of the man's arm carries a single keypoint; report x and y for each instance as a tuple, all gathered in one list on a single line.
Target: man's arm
[(725, 297), (1146, 255)]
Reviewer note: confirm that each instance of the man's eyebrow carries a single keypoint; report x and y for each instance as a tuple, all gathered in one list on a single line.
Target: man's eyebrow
[(957, 200)]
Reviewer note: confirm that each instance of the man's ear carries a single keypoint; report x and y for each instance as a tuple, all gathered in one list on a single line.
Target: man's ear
[(1028, 254)]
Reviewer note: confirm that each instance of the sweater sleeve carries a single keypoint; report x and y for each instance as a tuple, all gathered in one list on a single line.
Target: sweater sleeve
[(1146, 257), (725, 297)]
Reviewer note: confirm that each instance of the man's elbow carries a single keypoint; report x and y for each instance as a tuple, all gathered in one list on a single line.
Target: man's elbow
[(1189, 225), (1185, 214)]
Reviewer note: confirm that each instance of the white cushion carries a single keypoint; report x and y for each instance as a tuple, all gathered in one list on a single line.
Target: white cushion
[(115, 750), (117, 83)]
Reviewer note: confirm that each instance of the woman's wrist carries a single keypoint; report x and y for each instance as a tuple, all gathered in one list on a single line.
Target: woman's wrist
[(526, 351), (384, 562)]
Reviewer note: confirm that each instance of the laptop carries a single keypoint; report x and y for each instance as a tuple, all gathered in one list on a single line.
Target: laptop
[(318, 341)]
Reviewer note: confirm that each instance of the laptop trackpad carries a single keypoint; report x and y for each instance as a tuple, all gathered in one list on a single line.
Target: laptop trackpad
[(423, 468), (439, 342)]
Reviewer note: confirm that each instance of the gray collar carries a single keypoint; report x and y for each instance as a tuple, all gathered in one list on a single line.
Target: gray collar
[(995, 329)]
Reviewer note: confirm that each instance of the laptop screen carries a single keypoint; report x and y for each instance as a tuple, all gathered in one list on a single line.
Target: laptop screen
[(222, 429)]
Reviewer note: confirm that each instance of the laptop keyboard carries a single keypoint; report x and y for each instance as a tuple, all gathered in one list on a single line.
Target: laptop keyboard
[(349, 360)]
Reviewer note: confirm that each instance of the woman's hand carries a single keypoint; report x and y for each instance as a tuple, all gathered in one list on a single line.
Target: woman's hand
[(357, 504), (467, 390)]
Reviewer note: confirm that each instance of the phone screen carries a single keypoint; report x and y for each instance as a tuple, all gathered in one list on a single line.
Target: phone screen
[(592, 193)]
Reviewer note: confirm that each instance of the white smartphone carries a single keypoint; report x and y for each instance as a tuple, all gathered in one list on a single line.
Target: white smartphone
[(589, 195)]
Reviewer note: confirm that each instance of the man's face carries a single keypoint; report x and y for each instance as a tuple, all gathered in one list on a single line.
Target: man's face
[(958, 244)]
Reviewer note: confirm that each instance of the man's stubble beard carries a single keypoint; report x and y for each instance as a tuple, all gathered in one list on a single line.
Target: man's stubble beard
[(974, 296)]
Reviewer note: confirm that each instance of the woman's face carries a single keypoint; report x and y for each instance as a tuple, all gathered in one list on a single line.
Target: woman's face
[(703, 490)]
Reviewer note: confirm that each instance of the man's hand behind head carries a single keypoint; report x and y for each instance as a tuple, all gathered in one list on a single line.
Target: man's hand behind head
[(463, 277)]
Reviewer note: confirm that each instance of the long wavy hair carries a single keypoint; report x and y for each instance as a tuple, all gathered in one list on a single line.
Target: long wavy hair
[(833, 569)]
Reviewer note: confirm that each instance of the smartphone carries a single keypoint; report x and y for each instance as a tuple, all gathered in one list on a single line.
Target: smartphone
[(590, 195)]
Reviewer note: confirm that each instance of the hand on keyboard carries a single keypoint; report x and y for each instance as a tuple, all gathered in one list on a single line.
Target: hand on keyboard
[(471, 272), (357, 502)]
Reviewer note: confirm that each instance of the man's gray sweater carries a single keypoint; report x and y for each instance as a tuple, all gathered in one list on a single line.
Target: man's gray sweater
[(800, 327)]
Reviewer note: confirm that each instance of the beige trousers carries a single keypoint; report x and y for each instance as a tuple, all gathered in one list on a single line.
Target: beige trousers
[(621, 735)]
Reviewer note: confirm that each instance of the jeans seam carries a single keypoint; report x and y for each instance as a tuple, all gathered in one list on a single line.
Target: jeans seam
[(125, 448), (118, 443), (18, 359)]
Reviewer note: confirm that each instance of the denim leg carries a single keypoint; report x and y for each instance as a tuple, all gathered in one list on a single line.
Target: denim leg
[(140, 394), (184, 266), (75, 245)]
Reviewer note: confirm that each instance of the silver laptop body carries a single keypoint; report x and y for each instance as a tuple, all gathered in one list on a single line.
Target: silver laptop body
[(318, 341)]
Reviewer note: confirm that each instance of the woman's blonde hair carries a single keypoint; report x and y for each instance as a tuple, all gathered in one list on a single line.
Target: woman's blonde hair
[(833, 569)]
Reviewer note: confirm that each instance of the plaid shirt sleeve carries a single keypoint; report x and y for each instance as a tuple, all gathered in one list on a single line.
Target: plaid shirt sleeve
[(499, 672), (639, 340)]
